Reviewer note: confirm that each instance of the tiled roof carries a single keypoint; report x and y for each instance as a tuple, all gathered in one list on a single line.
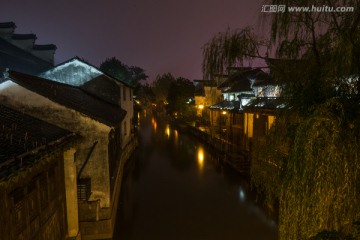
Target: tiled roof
[(264, 104), (226, 105), (22, 136), (104, 88), (7, 25), (45, 47), (82, 66), (241, 81), (71, 97), (17, 59), (16, 36)]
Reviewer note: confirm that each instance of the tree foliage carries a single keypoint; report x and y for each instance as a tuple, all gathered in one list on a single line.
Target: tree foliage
[(310, 160), (131, 75), (180, 92), (230, 48), (161, 86)]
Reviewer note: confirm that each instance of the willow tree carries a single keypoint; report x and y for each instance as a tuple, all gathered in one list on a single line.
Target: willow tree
[(314, 145)]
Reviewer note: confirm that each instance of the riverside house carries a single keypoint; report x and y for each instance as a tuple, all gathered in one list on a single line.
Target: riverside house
[(100, 155)]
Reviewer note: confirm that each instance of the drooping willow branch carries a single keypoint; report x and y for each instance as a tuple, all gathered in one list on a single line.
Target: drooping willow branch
[(230, 48)]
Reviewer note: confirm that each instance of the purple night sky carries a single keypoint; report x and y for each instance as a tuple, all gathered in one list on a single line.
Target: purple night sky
[(159, 36)]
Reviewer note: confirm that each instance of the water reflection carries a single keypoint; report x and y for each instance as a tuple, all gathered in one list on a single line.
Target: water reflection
[(200, 158), (176, 136), (241, 194), (176, 189), (154, 124), (167, 131)]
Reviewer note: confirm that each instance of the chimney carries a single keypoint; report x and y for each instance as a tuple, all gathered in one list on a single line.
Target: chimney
[(45, 52), (24, 41), (6, 30)]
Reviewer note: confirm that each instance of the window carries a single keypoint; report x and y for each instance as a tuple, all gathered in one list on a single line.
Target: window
[(130, 94), (83, 189)]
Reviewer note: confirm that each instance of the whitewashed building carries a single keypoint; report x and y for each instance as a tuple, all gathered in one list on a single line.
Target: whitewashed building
[(77, 72), (99, 159)]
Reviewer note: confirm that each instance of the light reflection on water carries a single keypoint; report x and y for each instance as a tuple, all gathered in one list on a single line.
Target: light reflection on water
[(200, 158), (176, 189), (167, 130)]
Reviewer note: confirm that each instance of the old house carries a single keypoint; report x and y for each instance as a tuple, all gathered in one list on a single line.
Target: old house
[(77, 72), (228, 117), (19, 52), (36, 162), (100, 155), (206, 95), (259, 113)]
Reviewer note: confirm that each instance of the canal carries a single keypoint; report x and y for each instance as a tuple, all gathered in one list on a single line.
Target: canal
[(175, 189)]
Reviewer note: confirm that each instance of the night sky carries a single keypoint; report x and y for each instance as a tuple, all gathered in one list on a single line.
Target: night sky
[(159, 36)]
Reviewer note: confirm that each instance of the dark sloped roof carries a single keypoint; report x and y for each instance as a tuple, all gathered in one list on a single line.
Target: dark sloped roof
[(241, 81), (72, 97), (17, 36), (236, 83), (263, 104), (104, 88), (17, 59), (7, 25), (45, 47), (226, 105), (22, 135)]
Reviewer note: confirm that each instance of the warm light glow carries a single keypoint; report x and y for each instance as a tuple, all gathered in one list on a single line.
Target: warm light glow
[(201, 106), (176, 134), (200, 157), (271, 120), (167, 131), (153, 122), (224, 112)]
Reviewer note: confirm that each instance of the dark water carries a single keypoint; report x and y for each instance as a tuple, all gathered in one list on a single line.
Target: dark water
[(175, 189)]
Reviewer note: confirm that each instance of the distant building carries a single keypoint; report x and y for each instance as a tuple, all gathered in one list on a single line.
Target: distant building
[(100, 155), (36, 162), (206, 95), (19, 52), (228, 117)]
